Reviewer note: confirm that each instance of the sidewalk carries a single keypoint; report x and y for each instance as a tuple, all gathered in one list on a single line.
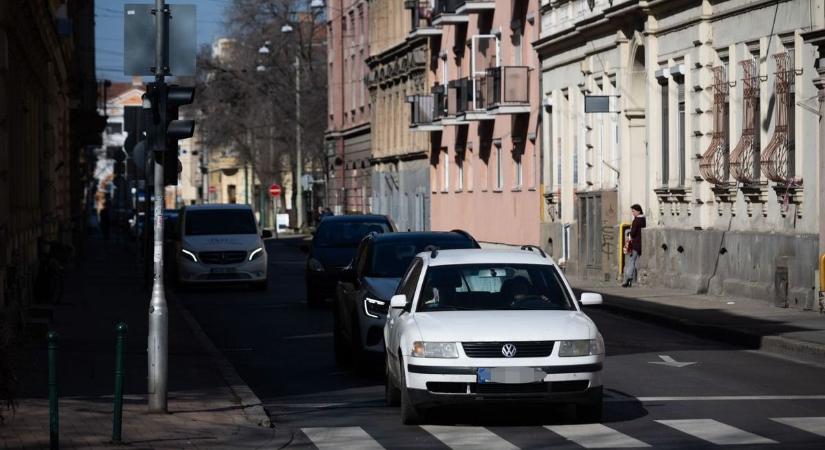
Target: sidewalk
[(752, 324), (209, 406)]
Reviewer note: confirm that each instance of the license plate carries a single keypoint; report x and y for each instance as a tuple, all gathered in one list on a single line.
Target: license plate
[(509, 375), (224, 270)]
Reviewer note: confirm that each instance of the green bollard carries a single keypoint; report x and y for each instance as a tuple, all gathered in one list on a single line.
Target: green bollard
[(54, 435), (117, 424)]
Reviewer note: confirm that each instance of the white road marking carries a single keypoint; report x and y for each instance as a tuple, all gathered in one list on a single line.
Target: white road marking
[(341, 438), (596, 435), (815, 425), (716, 432), (469, 438), (668, 361), (309, 336), (716, 398)]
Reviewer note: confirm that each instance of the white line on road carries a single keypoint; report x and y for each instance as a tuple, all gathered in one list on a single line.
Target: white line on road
[(815, 425), (469, 438), (309, 336), (715, 398), (341, 438), (596, 436), (668, 361), (716, 432)]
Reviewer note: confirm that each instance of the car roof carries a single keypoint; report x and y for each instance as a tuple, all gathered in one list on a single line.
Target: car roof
[(216, 206), (356, 218), (485, 256), (407, 236)]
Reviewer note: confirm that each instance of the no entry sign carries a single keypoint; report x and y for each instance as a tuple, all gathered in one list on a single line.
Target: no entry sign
[(275, 190)]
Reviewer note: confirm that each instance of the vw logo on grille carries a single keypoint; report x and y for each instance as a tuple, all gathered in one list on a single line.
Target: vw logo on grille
[(508, 350)]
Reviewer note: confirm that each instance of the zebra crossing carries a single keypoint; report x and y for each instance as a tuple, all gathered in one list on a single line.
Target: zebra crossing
[(694, 432)]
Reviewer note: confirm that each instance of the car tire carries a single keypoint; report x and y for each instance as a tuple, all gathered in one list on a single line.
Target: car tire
[(342, 354), (410, 414), (591, 410), (392, 395)]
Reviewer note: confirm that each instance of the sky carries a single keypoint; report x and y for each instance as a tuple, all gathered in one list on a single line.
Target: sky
[(109, 31)]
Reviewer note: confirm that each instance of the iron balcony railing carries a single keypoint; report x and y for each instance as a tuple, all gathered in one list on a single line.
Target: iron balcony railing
[(422, 109), (507, 85), (446, 6), (459, 95), (439, 102)]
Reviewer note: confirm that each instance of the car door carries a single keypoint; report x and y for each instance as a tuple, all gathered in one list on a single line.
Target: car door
[(347, 293), (399, 320)]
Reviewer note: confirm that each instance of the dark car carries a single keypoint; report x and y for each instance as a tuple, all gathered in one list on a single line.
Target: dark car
[(333, 248), (364, 292), (171, 235)]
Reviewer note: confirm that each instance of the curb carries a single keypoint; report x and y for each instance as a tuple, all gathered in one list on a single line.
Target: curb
[(785, 347), (252, 406)]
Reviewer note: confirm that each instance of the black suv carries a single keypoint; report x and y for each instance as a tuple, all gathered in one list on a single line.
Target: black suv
[(333, 248), (364, 292)]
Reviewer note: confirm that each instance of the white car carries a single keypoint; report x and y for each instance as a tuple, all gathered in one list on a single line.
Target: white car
[(490, 325), (220, 243)]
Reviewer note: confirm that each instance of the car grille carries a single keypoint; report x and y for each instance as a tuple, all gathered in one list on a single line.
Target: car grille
[(451, 387), (230, 257), (524, 349)]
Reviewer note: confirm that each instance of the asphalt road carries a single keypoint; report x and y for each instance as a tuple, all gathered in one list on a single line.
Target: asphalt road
[(725, 396)]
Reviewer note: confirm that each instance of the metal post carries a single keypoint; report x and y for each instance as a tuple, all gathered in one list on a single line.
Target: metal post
[(54, 425), (275, 213), (117, 423), (158, 311), (299, 199)]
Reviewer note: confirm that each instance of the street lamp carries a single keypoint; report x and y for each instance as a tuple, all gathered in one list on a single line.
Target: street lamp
[(316, 4), (299, 199)]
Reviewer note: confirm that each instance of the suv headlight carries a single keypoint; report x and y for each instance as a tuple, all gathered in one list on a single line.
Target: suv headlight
[(584, 347), (375, 308), (255, 254), (190, 255), (315, 265), (435, 349)]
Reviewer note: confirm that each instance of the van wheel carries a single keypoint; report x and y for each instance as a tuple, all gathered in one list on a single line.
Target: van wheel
[(410, 414)]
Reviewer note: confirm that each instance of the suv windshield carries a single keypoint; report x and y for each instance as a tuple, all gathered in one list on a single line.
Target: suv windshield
[(346, 234), (481, 287), (391, 259), (220, 221)]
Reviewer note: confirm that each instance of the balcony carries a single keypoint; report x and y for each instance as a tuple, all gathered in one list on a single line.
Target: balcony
[(456, 101), (508, 90), (475, 6), (446, 12), (421, 19), (423, 112), (477, 92)]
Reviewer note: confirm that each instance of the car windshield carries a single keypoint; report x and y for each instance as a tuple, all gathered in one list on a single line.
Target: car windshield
[(346, 234), (220, 221), (391, 259), (481, 287)]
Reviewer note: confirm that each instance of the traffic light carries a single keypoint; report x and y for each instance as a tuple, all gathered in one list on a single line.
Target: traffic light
[(170, 97)]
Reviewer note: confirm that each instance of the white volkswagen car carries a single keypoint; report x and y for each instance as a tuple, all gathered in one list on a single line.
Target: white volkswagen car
[(490, 325), (221, 243)]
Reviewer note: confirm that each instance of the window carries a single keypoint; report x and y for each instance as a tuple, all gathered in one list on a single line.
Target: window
[(682, 137), (459, 166), (232, 193), (410, 283), (220, 221), (665, 135), (446, 186), (114, 128), (518, 170), (536, 167), (499, 170)]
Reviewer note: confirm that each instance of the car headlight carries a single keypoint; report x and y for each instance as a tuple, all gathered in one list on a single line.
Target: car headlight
[(315, 265), (435, 349), (191, 255), (255, 254), (584, 347), (375, 308)]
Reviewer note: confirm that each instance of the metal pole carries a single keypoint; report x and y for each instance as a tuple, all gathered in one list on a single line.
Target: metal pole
[(158, 311), (117, 423), (54, 425), (275, 212), (299, 200)]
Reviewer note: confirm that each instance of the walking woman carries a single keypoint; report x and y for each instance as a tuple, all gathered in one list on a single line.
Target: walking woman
[(634, 244)]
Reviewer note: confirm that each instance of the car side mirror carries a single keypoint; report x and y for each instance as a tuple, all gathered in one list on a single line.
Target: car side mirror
[(304, 248), (591, 299), (398, 301), (266, 234)]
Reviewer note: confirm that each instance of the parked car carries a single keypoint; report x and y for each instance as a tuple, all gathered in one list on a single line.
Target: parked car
[(332, 249), (475, 326), (221, 243), (366, 286)]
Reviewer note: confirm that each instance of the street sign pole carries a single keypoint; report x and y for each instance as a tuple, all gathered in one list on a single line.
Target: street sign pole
[(158, 310), (275, 193)]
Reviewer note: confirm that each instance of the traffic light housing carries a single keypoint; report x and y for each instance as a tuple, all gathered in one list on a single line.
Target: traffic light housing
[(168, 100)]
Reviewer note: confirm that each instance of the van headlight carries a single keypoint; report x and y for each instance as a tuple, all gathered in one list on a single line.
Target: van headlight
[(435, 349), (255, 254), (583, 347), (189, 254)]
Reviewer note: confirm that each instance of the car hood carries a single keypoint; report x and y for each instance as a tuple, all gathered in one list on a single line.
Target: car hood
[(221, 242), (382, 287), (334, 256), (497, 326)]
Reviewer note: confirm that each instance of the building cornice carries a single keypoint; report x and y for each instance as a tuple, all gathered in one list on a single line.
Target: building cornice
[(407, 156), (348, 132)]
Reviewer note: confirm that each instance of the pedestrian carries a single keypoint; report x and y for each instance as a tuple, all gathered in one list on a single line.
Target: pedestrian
[(105, 221), (633, 248)]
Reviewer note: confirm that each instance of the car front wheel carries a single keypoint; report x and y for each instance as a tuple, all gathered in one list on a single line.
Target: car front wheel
[(590, 411), (392, 395), (410, 414), (342, 353)]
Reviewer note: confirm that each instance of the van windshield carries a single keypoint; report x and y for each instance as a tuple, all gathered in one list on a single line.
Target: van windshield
[(220, 221)]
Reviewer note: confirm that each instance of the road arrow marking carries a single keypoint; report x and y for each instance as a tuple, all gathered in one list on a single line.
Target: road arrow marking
[(668, 361)]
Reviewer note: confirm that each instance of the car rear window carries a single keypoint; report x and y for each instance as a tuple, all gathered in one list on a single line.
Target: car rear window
[(340, 233), (391, 259), (220, 221)]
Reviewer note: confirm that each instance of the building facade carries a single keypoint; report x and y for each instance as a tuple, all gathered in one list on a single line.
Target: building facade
[(704, 113), (482, 116), (399, 70), (348, 136)]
